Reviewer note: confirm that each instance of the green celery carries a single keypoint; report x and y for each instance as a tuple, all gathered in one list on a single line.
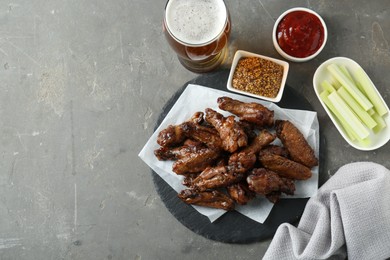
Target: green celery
[(335, 83), (327, 86), (346, 72), (348, 115), (371, 93), (348, 130), (381, 123), (344, 69), (365, 142), (350, 86), (359, 111)]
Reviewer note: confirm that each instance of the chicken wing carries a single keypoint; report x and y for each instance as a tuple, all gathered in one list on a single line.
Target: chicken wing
[(274, 196), (242, 162), (263, 139), (296, 144), (232, 135), (248, 128), (216, 177), (174, 135), (284, 167), (195, 161), (171, 136), (250, 112), (174, 153), (276, 149), (206, 135), (263, 181), (213, 199), (189, 178), (240, 192), (246, 158)]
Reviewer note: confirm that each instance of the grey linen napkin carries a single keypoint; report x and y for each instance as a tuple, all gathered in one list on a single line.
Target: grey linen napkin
[(349, 217)]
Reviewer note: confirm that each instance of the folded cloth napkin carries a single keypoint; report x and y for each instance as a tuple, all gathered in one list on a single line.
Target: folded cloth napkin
[(348, 217)]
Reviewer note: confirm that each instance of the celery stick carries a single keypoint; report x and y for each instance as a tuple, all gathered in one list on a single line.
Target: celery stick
[(357, 126), (347, 129), (350, 86), (346, 73), (380, 123), (359, 111), (327, 86), (335, 83), (371, 111), (364, 81), (365, 142), (344, 69)]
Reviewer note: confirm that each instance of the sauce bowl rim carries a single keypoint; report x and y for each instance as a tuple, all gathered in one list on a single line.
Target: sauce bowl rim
[(279, 49)]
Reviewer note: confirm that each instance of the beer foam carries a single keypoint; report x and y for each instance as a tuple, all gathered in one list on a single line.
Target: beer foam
[(195, 22)]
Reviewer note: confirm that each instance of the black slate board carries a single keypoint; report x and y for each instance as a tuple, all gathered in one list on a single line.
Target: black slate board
[(232, 227)]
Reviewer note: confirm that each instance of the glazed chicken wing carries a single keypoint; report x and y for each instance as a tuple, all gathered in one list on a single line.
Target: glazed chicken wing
[(189, 178), (251, 112), (296, 144), (240, 192), (276, 149), (274, 196), (232, 135), (242, 162), (284, 167), (269, 184), (213, 199), (246, 158), (216, 177), (171, 136), (248, 128), (174, 153), (196, 161), (263, 139), (263, 181), (206, 135), (174, 135)]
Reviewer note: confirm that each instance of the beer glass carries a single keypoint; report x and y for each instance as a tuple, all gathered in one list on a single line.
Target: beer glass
[(198, 32)]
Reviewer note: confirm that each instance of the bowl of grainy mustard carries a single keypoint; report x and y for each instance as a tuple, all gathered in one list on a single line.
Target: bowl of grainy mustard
[(258, 76)]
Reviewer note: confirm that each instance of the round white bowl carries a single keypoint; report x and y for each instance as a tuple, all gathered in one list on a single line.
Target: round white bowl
[(284, 54)]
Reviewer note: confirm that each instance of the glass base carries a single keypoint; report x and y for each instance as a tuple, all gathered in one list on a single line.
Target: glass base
[(205, 66)]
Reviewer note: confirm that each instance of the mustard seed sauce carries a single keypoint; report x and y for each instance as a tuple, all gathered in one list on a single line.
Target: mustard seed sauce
[(258, 76)]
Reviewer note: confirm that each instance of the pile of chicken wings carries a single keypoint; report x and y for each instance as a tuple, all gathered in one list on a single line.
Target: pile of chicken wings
[(228, 160)]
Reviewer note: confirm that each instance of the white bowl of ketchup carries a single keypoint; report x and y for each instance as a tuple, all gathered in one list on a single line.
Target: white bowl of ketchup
[(299, 34)]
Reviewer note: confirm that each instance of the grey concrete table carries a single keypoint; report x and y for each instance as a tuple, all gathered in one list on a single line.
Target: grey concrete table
[(82, 85)]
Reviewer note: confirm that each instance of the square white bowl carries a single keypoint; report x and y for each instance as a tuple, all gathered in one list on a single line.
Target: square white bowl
[(244, 54)]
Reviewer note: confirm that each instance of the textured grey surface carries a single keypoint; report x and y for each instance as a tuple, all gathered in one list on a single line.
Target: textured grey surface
[(82, 84)]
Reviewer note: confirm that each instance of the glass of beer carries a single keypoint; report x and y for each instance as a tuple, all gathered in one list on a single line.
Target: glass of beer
[(198, 32)]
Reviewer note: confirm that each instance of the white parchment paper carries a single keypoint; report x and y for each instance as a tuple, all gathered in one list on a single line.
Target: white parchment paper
[(197, 98)]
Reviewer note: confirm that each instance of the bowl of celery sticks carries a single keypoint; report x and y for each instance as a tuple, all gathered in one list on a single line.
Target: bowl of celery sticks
[(353, 103)]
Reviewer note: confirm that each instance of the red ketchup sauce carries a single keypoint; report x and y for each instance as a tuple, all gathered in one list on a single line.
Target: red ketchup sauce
[(300, 34)]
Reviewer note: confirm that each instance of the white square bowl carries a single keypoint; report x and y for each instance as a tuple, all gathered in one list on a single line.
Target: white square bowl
[(243, 54)]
